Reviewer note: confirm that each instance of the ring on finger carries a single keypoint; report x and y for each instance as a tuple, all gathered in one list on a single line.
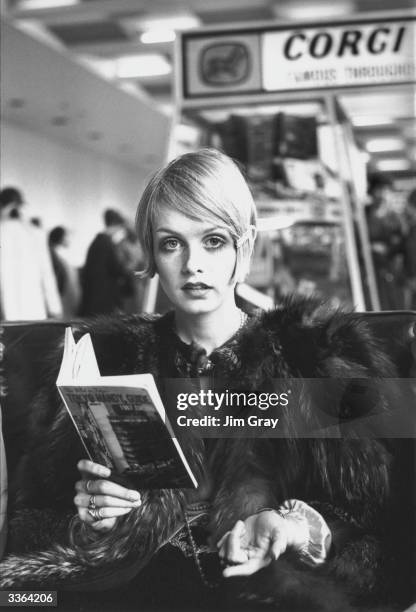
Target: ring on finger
[(88, 485), (91, 503), (95, 513)]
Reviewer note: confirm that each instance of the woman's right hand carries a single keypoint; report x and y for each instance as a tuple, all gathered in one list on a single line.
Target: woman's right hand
[(99, 501)]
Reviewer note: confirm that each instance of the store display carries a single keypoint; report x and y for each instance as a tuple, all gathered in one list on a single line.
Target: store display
[(250, 141), (295, 136)]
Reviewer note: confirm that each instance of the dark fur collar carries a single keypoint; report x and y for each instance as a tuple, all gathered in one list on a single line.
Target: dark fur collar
[(301, 338)]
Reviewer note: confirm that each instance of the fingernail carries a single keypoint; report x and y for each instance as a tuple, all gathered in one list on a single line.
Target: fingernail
[(134, 495)]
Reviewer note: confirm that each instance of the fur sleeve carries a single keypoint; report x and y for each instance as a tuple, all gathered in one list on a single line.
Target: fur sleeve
[(346, 479)]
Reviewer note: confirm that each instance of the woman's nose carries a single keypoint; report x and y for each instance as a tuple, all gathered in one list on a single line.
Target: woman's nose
[(193, 260)]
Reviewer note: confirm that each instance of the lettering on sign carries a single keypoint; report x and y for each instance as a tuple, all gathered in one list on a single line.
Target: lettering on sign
[(344, 43), (339, 56)]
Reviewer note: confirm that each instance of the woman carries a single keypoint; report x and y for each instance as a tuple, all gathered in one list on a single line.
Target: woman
[(307, 512)]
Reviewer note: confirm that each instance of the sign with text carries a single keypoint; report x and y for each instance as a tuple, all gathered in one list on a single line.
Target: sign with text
[(339, 56), (266, 60)]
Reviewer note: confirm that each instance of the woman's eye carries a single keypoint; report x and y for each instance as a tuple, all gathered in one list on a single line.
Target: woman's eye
[(170, 244), (214, 242)]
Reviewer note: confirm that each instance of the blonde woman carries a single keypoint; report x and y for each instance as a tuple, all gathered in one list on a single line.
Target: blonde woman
[(307, 512)]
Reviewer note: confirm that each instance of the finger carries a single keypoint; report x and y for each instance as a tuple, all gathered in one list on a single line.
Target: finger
[(277, 548), (83, 500), (223, 543), (234, 553), (278, 543), (245, 569), (89, 468), (105, 513), (106, 487), (222, 539)]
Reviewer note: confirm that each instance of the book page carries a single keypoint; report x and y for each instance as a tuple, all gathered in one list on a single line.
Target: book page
[(65, 371), (84, 367)]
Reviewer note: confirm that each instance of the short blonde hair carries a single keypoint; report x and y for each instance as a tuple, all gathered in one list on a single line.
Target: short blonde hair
[(204, 184)]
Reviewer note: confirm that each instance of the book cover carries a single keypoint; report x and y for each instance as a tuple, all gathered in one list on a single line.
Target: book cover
[(121, 421)]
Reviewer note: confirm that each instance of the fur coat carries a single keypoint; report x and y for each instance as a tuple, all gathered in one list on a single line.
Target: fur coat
[(348, 480)]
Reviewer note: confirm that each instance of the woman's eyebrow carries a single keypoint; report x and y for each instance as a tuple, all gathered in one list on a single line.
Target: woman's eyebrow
[(167, 230)]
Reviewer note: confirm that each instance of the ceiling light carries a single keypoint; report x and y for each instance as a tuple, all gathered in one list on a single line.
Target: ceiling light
[(136, 66), (29, 5), (370, 120), (162, 29), (391, 165), (157, 35), (170, 22), (378, 145), (314, 11)]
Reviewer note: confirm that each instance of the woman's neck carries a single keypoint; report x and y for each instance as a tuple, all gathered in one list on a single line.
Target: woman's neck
[(210, 330)]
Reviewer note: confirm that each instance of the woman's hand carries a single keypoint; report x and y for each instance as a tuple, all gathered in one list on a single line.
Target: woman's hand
[(260, 539), (99, 501)]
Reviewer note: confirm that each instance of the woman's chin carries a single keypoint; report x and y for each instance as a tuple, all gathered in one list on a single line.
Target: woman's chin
[(193, 307)]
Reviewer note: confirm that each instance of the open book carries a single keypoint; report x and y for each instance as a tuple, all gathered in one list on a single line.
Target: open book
[(121, 421)]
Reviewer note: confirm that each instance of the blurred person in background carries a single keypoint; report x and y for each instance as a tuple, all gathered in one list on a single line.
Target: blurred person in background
[(27, 281), (105, 272), (67, 276), (131, 254), (410, 250), (386, 235)]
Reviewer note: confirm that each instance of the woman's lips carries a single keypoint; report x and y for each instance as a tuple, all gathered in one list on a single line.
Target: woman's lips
[(196, 290), (196, 286)]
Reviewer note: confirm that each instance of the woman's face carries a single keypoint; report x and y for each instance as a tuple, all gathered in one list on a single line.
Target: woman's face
[(195, 261)]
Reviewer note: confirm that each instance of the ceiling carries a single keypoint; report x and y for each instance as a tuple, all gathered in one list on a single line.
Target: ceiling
[(97, 33)]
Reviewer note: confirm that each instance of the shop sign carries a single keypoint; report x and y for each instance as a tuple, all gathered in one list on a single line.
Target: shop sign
[(310, 57), (222, 64), (339, 56)]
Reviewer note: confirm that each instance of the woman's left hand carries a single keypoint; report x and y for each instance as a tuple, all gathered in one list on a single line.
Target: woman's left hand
[(260, 539)]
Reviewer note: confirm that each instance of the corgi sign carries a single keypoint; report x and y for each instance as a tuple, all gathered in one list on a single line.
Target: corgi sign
[(281, 59), (339, 56)]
